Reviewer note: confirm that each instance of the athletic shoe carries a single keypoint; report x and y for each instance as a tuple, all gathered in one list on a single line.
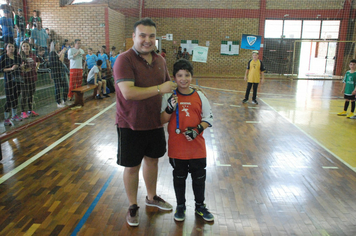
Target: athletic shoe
[(16, 118), (203, 212), (245, 100), (180, 213), (24, 115), (254, 102), (32, 113), (7, 122), (353, 117), (132, 215), (159, 202), (106, 95), (60, 105), (344, 113), (350, 115), (98, 97), (63, 103)]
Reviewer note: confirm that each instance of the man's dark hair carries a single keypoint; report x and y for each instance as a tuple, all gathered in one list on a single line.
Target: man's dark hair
[(146, 22), (113, 48), (41, 49), (99, 62), (353, 61), (182, 64), (76, 40)]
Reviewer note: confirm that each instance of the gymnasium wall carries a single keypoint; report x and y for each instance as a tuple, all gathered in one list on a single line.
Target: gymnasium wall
[(83, 22)]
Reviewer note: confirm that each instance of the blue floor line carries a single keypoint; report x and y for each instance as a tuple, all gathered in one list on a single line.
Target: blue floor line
[(92, 206)]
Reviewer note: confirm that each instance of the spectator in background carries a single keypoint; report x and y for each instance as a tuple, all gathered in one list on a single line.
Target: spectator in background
[(29, 74), (94, 78), (9, 64), (179, 53), (20, 25), (113, 48), (67, 46), (60, 83), (75, 55), (39, 38), (9, 8), (163, 53), (105, 59), (34, 19), (90, 59), (7, 25), (113, 58), (185, 54)]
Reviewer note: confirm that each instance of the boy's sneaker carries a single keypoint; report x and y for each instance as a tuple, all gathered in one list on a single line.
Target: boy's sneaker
[(254, 102), (353, 117), (7, 122), (24, 115), (60, 105), (16, 118), (32, 113), (350, 115), (106, 95), (344, 113), (159, 202), (98, 97), (132, 215), (180, 213), (203, 212), (244, 101)]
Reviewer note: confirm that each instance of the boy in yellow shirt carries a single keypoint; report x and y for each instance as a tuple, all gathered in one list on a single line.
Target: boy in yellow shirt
[(255, 71)]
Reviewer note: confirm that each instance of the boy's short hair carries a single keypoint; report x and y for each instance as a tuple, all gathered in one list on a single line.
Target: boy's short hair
[(353, 61), (99, 62), (77, 40), (113, 48), (182, 64), (146, 22), (90, 49), (41, 49)]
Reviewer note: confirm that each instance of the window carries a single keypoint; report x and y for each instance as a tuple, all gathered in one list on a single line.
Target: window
[(311, 29), (273, 28), (80, 1), (330, 29), (292, 29)]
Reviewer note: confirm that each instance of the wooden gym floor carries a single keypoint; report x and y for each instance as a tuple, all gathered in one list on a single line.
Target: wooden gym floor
[(284, 167)]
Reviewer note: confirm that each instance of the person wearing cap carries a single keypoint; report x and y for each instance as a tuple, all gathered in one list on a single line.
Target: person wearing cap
[(34, 19), (20, 25), (255, 71), (7, 25)]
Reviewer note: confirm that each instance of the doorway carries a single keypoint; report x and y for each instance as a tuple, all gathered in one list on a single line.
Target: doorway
[(317, 59)]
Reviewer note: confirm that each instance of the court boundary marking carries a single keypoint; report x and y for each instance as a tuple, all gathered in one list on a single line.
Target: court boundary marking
[(53, 145)]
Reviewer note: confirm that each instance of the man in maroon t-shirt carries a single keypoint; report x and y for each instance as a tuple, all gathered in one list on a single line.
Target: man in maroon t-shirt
[(141, 77)]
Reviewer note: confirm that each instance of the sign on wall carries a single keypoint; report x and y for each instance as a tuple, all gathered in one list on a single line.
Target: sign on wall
[(230, 48), (189, 45), (200, 54), (252, 42)]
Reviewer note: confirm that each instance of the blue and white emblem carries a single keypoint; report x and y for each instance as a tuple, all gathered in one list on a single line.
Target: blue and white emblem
[(251, 40)]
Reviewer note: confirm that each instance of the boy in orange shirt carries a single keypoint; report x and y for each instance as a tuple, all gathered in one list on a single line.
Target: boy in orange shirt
[(188, 113)]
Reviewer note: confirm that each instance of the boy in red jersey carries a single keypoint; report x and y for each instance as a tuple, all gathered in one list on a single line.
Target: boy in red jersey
[(186, 144)]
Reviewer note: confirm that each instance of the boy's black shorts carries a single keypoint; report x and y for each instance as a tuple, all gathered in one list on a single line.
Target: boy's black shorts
[(349, 97), (133, 145)]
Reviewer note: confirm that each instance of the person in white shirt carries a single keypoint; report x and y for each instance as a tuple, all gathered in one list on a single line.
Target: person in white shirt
[(94, 77), (76, 56)]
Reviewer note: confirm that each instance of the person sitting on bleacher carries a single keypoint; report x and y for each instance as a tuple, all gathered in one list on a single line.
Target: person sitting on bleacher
[(94, 77), (7, 26)]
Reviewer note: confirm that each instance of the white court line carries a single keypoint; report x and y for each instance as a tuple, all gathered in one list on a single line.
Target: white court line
[(316, 141), (53, 145), (252, 122), (331, 167), (250, 166), (83, 123), (219, 164), (218, 104), (235, 106)]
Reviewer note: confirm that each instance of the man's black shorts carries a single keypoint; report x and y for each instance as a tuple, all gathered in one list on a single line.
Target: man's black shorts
[(133, 145)]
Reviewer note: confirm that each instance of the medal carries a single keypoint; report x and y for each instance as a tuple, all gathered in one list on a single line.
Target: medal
[(177, 115), (177, 131)]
